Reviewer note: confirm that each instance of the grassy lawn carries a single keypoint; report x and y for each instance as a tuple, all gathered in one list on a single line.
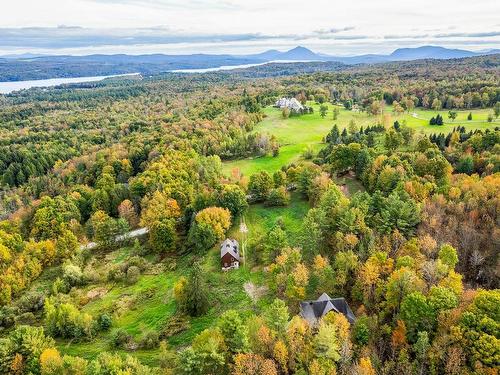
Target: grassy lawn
[(260, 219), (295, 134), (421, 121), (352, 184)]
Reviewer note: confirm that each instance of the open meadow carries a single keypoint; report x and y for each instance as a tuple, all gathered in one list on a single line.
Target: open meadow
[(297, 133)]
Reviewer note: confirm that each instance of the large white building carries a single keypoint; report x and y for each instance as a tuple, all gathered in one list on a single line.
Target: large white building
[(291, 103)]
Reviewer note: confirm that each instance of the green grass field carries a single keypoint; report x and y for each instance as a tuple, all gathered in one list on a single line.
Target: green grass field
[(260, 219), (295, 134), (421, 121)]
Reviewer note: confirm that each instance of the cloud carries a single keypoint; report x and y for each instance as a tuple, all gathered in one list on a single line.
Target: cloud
[(407, 36), (71, 37), (65, 36), (444, 35), (469, 35), (334, 30), (172, 4)]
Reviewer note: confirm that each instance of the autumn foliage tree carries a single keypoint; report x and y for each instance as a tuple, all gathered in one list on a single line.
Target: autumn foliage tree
[(253, 364), (160, 214), (209, 226)]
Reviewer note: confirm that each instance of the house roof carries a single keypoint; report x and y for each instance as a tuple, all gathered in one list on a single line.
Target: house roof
[(290, 103), (230, 246), (312, 311)]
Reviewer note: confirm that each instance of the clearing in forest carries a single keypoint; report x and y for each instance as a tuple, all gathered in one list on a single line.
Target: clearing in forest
[(297, 133)]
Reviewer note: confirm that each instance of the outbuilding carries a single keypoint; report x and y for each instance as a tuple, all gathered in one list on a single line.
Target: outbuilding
[(230, 254)]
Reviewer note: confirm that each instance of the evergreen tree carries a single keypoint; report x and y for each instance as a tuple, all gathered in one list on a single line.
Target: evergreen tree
[(196, 294), (334, 135)]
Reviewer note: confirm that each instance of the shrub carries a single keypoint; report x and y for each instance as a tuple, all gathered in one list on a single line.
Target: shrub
[(77, 365), (115, 273), (27, 318), (133, 273), (167, 357), (51, 362), (150, 340), (104, 322), (278, 197), (59, 286), (276, 150), (175, 325), (65, 320), (7, 317), (308, 153), (92, 275), (72, 274), (107, 363), (120, 338), (137, 261), (285, 112), (31, 302), (137, 248), (279, 178), (180, 290)]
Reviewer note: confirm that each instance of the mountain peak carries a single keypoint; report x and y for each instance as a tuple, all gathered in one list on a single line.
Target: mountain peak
[(429, 52), (300, 48), (299, 53)]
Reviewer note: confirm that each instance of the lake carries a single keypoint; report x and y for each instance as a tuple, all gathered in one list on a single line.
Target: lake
[(8, 87), (232, 67)]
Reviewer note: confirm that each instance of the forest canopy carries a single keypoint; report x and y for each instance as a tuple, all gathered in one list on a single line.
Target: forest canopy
[(115, 198)]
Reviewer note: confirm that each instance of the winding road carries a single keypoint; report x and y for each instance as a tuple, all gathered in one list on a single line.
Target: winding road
[(132, 234)]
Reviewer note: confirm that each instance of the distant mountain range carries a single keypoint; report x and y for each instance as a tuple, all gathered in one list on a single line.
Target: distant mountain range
[(400, 54), (30, 67)]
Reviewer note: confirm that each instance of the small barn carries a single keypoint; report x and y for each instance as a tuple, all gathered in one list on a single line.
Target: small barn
[(313, 311), (230, 254)]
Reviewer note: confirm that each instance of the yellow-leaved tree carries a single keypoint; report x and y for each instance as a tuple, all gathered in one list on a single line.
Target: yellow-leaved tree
[(210, 225)]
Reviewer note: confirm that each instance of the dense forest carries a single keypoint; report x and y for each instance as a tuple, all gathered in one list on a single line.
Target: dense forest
[(414, 249)]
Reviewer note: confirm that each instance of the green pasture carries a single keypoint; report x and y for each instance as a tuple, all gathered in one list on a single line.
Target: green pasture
[(297, 133), (260, 219)]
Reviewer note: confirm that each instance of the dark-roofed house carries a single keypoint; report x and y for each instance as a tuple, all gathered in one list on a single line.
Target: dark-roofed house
[(230, 254), (313, 311)]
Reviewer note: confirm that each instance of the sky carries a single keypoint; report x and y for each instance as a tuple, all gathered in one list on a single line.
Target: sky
[(239, 27)]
